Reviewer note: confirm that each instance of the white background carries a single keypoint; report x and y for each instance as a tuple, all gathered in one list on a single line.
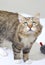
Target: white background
[(26, 6)]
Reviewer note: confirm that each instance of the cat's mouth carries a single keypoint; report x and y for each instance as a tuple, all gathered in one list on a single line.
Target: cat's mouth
[(30, 30)]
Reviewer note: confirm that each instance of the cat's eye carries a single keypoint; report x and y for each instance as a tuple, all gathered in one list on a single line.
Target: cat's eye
[(25, 23), (34, 22)]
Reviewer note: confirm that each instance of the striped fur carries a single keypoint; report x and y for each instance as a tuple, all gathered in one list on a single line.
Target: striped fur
[(15, 31)]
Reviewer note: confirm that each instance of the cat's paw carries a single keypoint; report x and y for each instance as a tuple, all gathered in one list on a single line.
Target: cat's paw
[(29, 61), (19, 61), (3, 52)]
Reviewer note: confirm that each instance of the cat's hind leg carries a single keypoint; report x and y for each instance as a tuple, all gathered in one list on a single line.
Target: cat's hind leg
[(3, 52), (2, 49)]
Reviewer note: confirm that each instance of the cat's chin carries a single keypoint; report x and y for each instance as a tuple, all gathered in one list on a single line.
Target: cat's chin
[(30, 32)]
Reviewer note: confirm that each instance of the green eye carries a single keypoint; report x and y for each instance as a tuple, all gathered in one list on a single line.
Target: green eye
[(25, 23)]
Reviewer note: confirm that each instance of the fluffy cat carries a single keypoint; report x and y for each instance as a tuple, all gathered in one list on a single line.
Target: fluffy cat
[(21, 31)]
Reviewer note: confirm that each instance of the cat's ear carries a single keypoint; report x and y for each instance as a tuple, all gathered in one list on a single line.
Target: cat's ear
[(21, 18), (37, 15)]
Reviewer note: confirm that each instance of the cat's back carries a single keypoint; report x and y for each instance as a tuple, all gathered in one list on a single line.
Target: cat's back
[(8, 22), (8, 18), (8, 15)]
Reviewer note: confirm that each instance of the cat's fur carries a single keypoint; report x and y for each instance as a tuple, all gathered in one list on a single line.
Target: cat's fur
[(21, 31)]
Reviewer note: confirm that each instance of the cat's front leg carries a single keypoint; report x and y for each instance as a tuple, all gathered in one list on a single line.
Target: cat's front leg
[(16, 53), (26, 54), (16, 50)]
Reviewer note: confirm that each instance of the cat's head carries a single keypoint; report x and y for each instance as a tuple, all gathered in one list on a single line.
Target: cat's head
[(30, 25)]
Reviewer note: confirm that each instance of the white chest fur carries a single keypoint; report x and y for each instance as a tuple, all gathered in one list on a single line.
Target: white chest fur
[(28, 40)]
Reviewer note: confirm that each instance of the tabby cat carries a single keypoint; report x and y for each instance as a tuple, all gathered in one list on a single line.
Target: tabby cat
[(21, 31)]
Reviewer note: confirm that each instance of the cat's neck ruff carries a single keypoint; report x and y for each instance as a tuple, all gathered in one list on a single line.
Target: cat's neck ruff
[(27, 40)]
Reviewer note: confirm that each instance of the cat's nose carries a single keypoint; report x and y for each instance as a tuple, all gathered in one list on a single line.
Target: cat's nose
[(30, 25)]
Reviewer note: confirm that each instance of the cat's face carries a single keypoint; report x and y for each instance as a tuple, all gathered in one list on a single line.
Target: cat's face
[(30, 25)]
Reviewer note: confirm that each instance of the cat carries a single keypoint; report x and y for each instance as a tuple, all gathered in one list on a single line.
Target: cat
[(21, 31)]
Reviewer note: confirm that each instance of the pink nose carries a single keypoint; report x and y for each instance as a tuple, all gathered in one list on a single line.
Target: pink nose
[(30, 25)]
